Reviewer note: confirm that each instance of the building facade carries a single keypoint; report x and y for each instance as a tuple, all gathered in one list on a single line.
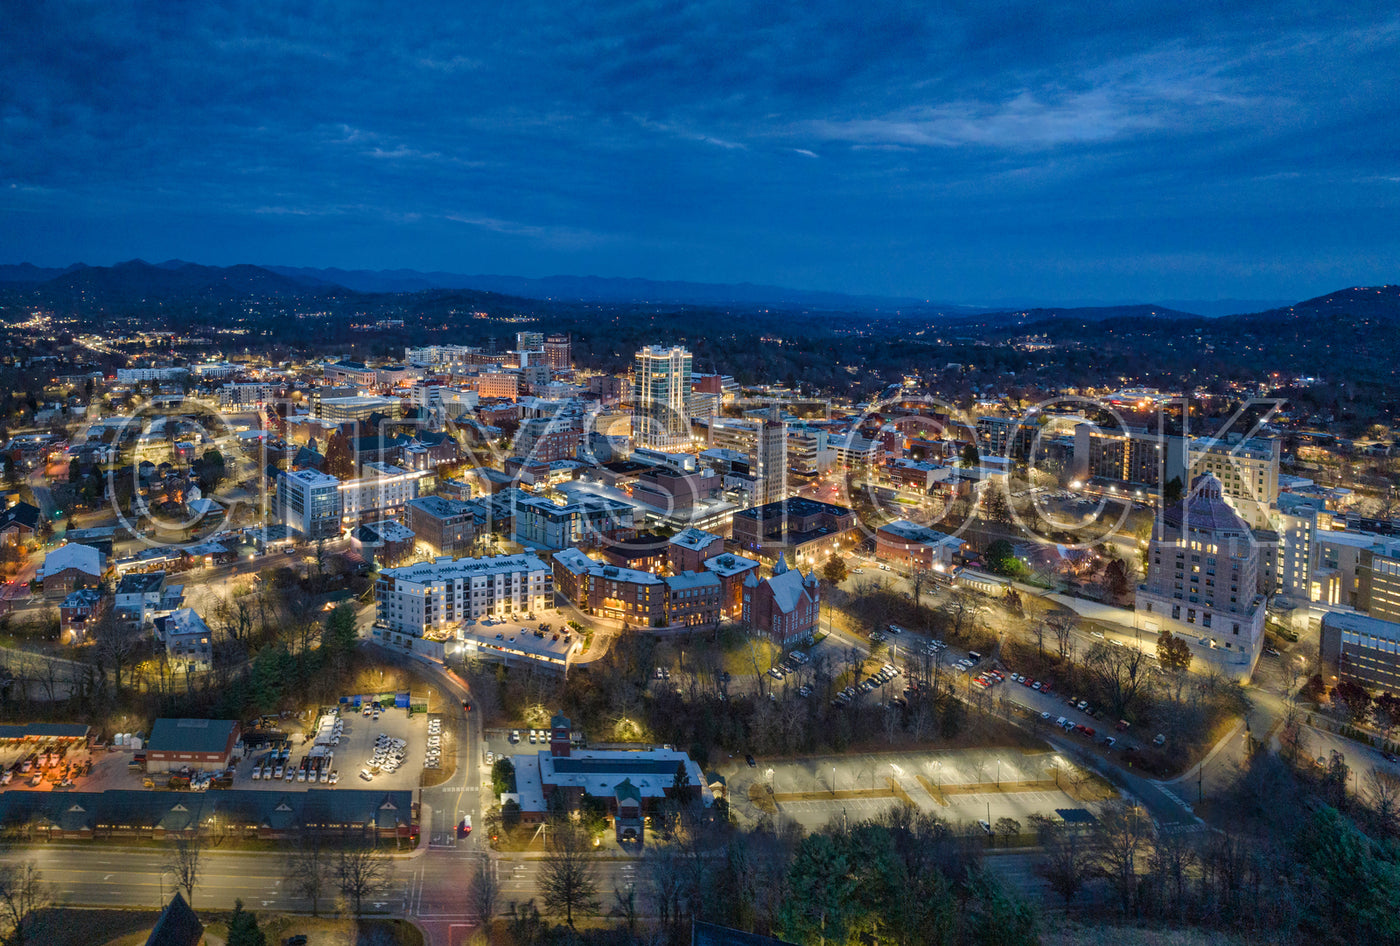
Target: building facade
[(433, 598), (1203, 575), (309, 503), (661, 382), (785, 607), (1247, 470)]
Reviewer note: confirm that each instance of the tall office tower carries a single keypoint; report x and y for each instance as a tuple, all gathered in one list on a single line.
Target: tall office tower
[(661, 398), (770, 461), (1203, 574), (558, 352)]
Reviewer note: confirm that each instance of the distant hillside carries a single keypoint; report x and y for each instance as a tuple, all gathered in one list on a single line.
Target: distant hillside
[(29, 273), (1050, 316), (137, 281), (606, 289), (1359, 302)]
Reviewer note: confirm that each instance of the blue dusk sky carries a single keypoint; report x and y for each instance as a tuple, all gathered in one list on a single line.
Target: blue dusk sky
[(964, 152)]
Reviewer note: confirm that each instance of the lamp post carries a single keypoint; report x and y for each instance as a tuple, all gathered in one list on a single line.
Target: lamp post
[(833, 781), (998, 773)]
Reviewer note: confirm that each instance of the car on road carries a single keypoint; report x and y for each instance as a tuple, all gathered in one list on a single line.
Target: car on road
[(1271, 651), (464, 827), (467, 705), (775, 673), (985, 826), (1097, 634), (749, 759), (1044, 715)]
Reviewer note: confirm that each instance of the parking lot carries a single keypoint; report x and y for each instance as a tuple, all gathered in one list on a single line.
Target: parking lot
[(365, 744)]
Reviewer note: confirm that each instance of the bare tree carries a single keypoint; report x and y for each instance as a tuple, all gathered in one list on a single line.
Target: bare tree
[(567, 876), (1121, 672), (115, 643), (184, 861), (1124, 834), (1383, 789), (1062, 624), (361, 872), (484, 894), (1065, 861), (310, 867), (24, 897)]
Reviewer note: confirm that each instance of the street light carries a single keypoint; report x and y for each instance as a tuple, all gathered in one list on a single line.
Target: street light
[(998, 773)]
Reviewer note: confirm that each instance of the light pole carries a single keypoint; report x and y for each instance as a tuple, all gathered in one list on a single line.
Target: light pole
[(998, 773), (833, 781)]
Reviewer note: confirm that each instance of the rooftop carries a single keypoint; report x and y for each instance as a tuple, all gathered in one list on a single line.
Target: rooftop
[(192, 735)]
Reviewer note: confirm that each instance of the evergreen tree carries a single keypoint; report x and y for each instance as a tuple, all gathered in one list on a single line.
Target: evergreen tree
[(243, 928)]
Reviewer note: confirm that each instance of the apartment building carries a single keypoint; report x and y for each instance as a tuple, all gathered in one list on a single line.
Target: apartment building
[(764, 442), (381, 492), (431, 599)]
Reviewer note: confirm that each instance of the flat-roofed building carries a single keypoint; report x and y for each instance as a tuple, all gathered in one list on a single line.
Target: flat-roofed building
[(309, 503), (445, 526), (917, 546), (1247, 470), (1362, 649), (433, 598), (1132, 455)]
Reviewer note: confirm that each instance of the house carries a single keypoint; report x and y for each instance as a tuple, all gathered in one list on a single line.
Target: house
[(79, 612), (177, 925), (786, 607), (187, 639), (71, 566), (141, 595), (19, 523)]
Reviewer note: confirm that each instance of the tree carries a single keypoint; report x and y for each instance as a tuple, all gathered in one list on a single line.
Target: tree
[(338, 459), (823, 885), (309, 868), (1001, 558), (211, 470), (1064, 862), (1173, 491), (1120, 672), (1123, 835), (1173, 653), (361, 873), (243, 928), (834, 571), (484, 894), (342, 634), (1007, 827), (184, 861), (567, 874), (1383, 789), (1062, 623), (969, 456), (24, 898), (115, 642)]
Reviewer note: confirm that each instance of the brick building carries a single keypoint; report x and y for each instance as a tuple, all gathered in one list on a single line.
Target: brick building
[(786, 607)]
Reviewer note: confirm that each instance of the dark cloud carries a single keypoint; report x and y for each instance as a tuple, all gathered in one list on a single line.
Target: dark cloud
[(953, 151)]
